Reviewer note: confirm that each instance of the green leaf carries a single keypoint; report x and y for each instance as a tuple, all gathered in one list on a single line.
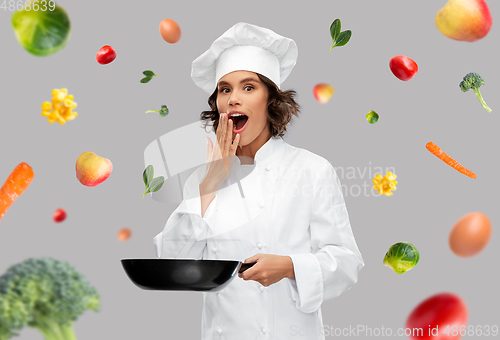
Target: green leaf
[(146, 80), (338, 38), (149, 73), (156, 184), (335, 29), (148, 174), (343, 38)]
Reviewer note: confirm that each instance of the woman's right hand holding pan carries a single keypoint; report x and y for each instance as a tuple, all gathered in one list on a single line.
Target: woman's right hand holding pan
[(220, 158)]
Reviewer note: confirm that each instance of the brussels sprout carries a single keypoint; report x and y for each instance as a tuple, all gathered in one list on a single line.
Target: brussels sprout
[(401, 257), (372, 117), (42, 33)]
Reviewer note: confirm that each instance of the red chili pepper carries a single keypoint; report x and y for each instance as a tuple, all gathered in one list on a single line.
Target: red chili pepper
[(105, 55), (403, 68)]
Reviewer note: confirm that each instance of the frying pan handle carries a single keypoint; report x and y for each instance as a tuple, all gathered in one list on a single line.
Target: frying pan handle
[(245, 266)]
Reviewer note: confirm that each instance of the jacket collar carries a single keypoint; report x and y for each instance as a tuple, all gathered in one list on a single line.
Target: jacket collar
[(269, 153)]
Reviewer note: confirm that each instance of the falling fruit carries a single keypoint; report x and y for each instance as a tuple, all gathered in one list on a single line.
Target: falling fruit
[(464, 20), (403, 68), (59, 215), (323, 92), (443, 316), (105, 55), (92, 170)]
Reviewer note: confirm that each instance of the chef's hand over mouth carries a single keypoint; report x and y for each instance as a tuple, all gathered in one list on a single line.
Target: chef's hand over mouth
[(220, 158), (268, 269)]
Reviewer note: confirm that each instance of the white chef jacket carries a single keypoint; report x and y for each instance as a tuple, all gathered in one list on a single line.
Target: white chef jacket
[(294, 207)]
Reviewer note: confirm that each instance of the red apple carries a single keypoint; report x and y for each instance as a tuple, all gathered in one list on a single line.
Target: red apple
[(92, 170), (464, 20), (323, 92)]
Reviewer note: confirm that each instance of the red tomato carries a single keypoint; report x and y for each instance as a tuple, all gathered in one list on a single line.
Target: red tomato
[(403, 68), (105, 55), (442, 316), (59, 215)]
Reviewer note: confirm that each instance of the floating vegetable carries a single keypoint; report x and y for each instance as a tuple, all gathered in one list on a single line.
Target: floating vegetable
[(18, 181), (385, 184), (401, 257), (163, 111), (403, 68), (149, 75), (441, 316), (372, 117), (44, 294), (472, 81), (60, 109), (436, 150), (42, 32), (338, 38), (152, 184), (59, 215), (105, 55)]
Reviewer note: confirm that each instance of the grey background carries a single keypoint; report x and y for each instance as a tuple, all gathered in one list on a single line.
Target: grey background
[(430, 196)]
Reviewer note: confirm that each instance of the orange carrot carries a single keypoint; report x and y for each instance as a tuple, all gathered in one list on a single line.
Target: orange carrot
[(448, 160), (19, 179)]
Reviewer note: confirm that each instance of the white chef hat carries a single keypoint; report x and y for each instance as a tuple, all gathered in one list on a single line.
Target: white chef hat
[(245, 47)]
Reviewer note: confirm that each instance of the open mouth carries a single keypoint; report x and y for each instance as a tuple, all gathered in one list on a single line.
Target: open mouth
[(239, 122)]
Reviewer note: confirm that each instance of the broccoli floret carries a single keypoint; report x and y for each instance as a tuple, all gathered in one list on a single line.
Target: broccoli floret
[(163, 111), (45, 294), (474, 81)]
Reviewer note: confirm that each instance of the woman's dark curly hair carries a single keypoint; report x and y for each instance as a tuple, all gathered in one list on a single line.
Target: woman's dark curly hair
[(281, 106)]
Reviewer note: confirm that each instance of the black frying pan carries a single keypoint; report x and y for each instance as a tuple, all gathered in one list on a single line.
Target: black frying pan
[(183, 274)]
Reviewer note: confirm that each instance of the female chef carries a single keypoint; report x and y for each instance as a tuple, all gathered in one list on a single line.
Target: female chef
[(287, 215)]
